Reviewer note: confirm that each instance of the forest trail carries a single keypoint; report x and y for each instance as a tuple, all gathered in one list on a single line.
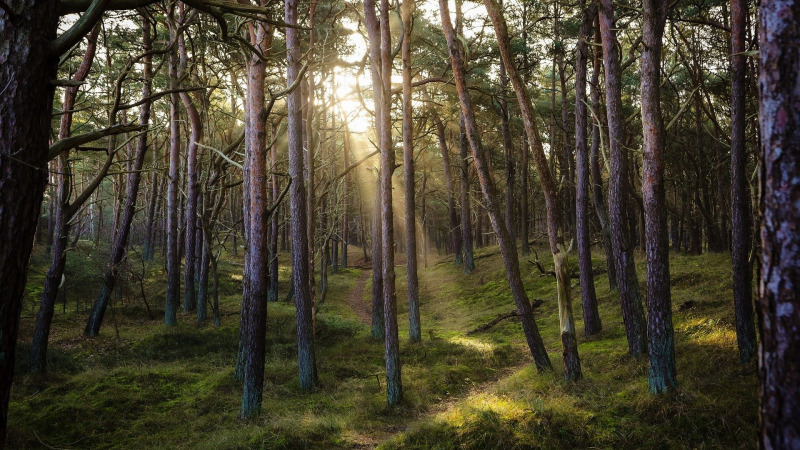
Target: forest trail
[(356, 299)]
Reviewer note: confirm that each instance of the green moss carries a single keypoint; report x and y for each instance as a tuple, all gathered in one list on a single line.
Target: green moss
[(153, 386)]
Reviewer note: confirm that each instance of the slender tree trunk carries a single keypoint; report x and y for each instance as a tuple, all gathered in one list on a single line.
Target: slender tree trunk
[(394, 391), (61, 214), (345, 196), (507, 247), (591, 316), (572, 365), (173, 258), (306, 355), (272, 295), (659, 301), (414, 331), (779, 352), (373, 31), (508, 151), (119, 247), (741, 216), (600, 207), (466, 211), (627, 281), (453, 233)]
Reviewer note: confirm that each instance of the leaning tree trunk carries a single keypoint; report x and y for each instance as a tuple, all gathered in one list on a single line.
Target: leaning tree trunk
[(627, 281), (26, 104), (659, 301), (120, 245), (591, 316), (306, 355), (572, 365), (779, 289), (414, 331), (741, 216), (508, 248), (61, 214)]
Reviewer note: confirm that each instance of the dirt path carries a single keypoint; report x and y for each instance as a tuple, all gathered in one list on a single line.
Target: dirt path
[(356, 299)]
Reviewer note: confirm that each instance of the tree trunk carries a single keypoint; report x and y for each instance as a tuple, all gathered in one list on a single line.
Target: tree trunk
[(120, 244), (414, 331), (193, 188), (306, 355), (591, 316), (659, 301), (507, 247), (26, 103), (61, 214), (394, 391), (173, 258), (600, 207), (274, 224), (466, 211), (779, 292), (254, 300), (741, 216), (627, 281)]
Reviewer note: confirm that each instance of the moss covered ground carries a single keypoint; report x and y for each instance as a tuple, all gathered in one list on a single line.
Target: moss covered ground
[(141, 385)]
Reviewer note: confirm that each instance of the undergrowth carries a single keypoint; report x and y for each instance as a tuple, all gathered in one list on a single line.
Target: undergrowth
[(141, 385)]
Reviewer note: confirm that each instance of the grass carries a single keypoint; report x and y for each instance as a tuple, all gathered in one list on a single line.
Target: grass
[(140, 385)]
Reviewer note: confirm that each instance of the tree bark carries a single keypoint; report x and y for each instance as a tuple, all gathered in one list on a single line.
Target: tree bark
[(660, 334), (591, 316), (173, 259), (741, 216), (414, 331), (306, 355), (779, 288), (627, 281), (27, 101), (507, 247), (394, 391), (120, 244)]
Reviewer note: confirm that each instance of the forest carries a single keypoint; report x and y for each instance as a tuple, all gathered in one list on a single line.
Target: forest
[(398, 224)]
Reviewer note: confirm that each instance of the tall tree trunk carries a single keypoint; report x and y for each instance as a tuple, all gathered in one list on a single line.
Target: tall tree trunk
[(345, 196), (193, 188), (627, 281), (508, 151), (453, 233), (61, 214), (374, 34), (600, 207), (414, 331), (120, 244), (507, 247), (173, 258), (254, 301), (740, 198), (659, 301), (306, 355), (274, 223), (466, 211), (572, 365), (394, 390), (591, 316), (27, 101), (779, 292)]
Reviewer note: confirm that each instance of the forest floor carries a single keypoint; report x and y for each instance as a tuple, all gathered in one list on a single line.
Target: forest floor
[(141, 385)]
